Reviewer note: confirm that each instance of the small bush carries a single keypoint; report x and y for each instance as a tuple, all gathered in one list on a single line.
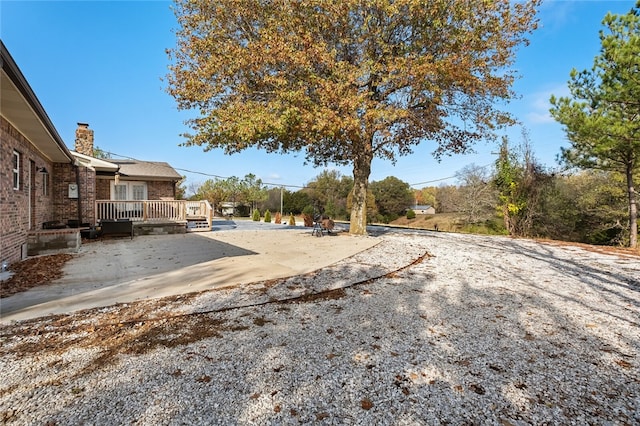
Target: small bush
[(411, 214), (292, 219), (267, 217), (256, 215), (278, 219)]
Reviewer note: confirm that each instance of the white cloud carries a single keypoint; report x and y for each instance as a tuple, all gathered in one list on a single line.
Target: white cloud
[(554, 15), (539, 105), (540, 118)]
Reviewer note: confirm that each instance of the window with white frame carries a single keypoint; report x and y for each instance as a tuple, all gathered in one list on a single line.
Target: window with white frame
[(119, 191), (139, 191), (128, 190), (16, 170)]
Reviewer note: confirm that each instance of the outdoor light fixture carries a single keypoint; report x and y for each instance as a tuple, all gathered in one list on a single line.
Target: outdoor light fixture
[(117, 178), (42, 170)]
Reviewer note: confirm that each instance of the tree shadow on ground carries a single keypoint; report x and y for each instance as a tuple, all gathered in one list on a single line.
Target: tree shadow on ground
[(432, 344)]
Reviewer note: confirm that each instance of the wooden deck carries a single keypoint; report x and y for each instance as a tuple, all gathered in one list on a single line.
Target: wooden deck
[(195, 215)]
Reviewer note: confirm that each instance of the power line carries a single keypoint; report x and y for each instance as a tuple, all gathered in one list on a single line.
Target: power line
[(200, 173), (431, 181), (228, 177), (279, 185), (447, 178)]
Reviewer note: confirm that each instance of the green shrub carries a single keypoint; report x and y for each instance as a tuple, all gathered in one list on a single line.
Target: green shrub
[(292, 220), (384, 218), (267, 216), (256, 215), (411, 214)]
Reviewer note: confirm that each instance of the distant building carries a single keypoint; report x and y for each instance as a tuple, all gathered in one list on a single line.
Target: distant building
[(228, 208), (424, 209)]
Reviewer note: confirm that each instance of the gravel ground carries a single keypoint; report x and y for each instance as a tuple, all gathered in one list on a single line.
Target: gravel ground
[(420, 329)]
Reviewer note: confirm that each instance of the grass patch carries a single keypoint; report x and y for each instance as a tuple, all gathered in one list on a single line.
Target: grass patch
[(451, 222)]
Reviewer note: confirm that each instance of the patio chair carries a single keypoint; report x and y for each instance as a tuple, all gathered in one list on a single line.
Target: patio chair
[(322, 224)]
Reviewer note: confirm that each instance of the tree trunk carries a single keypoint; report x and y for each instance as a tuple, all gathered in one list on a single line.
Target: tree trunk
[(633, 210), (361, 172)]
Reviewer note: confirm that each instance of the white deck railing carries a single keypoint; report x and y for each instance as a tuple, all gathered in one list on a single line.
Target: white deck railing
[(154, 210)]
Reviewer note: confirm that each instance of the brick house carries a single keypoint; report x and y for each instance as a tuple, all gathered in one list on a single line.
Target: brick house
[(42, 181)]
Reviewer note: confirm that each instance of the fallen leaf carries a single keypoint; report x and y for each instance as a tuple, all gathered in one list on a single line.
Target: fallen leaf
[(622, 363), (477, 389), (34, 272), (366, 404), (260, 321)]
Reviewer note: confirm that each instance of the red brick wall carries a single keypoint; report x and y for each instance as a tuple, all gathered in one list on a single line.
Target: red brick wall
[(87, 191), (63, 208), (14, 204), (103, 189), (66, 208), (160, 190)]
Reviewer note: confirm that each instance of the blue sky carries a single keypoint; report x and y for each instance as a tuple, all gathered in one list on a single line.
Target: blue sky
[(103, 63)]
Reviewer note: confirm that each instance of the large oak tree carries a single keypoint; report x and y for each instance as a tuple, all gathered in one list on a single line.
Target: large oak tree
[(346, 81), (602, 116)]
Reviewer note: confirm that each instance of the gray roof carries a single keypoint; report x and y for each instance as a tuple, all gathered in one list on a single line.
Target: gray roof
[(150, 170)]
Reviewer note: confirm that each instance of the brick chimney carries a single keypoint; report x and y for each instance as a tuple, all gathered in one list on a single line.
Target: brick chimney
[(84, 139)]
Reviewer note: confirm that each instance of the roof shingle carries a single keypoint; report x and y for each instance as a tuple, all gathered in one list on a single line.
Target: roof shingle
[(157, 170)]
